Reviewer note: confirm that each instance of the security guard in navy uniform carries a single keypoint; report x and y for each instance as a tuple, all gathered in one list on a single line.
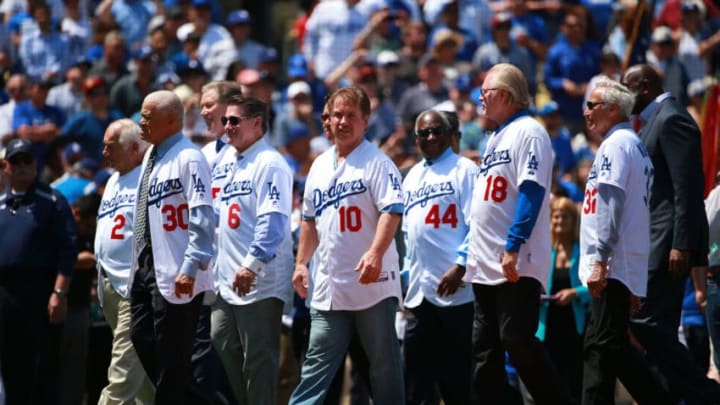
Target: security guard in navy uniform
[(37, 254)]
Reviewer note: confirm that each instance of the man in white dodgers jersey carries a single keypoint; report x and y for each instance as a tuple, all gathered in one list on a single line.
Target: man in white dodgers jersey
[(255, 259), (438, 337), (124, 149), (614, 248), (509, 245), (351, 210), (174, 231), (213, 101)]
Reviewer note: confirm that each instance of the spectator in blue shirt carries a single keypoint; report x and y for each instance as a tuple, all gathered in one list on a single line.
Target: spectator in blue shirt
[(88, 126), (44, 52), (571, 62), (37, 121)]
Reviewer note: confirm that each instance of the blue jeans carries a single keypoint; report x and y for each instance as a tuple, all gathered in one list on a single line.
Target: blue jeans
[(712, 312), (330, 334)]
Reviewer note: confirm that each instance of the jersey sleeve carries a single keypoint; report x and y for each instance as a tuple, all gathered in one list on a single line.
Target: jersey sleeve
[(534, 161), (613, 166), (198, 183), (386, 186), (274, 191)]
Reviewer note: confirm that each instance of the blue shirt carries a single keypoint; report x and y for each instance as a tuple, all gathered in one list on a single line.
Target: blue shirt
[(88, 130), (37, 234), (44, 53), (578, 64), (27, 114)]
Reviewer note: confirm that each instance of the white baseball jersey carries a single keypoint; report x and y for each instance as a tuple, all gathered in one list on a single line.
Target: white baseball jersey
[(623, 162), (259, 183), (436, 220), (218, 171), (178, 182), (114, 232), (519, 151), (346, 201)]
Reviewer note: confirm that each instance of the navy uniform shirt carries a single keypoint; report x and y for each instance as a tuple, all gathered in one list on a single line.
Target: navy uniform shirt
[(37, 234)]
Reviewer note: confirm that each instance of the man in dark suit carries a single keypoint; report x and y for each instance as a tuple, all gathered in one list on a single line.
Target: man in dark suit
[(678, 232)]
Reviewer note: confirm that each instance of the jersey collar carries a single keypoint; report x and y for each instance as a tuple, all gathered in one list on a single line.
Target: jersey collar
[(448, 152), (165, 145)]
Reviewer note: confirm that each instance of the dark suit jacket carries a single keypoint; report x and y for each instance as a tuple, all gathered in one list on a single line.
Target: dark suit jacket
[(677, 210)]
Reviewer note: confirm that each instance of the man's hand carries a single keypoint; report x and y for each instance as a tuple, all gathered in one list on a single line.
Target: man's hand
[(85, 260), (57, 309), (184, 285), (451, 281), (300, 280), (243, 282), (598, 279), (509, 266), (369, 266), (565, 296), (679, 262)]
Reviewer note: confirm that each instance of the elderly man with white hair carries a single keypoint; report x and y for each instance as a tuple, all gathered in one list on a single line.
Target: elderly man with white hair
[(124, 151), (173, 232), (614, 249)]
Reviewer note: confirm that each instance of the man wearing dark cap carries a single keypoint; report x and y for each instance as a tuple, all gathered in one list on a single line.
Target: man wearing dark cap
[(37, 255)]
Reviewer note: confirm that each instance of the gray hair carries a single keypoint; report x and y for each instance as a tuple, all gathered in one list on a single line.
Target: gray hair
[(612, 92), (224, 89), (511, 79), (128, 133)]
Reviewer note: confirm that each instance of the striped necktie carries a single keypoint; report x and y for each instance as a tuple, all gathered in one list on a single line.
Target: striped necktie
[(141, 228)]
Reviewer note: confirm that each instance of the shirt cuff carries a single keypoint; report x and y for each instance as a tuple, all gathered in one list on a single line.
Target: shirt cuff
[(189, 268), (253, 264)]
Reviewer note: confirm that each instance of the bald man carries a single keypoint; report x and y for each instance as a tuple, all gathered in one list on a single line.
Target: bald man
[(174, 230)]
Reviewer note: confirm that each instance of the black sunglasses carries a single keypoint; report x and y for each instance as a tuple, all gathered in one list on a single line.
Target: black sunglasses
[(233, 120), (424, 133), (22, 159), (591, 105)]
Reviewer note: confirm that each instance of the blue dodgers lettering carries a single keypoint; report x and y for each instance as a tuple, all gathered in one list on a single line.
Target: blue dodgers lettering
[(426, 192), (108, 207), (159, 190), (221, 171), (235, 189), (495, 158), (335, 193), (593, 174)]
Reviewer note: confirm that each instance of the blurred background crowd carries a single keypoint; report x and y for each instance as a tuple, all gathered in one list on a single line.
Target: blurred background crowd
[(68, 68)]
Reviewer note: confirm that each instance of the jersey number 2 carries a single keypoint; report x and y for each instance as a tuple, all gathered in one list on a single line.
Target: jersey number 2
[(449, 217), (116, 232)]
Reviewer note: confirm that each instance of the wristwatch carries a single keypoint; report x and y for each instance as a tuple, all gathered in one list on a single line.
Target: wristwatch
[(60, 293)]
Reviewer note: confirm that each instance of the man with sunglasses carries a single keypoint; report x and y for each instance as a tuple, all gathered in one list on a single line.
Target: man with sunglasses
[(37, 255), (508, 256), (254, 262), (614, 247), (439, 306)]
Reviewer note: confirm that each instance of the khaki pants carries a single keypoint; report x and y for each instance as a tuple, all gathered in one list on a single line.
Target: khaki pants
[(128, 383)]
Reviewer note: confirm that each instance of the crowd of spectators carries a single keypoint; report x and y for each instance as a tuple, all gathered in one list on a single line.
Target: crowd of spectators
[(69, 68)]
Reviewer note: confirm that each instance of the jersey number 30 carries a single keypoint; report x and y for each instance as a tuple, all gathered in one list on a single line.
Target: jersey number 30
[(175, 217)]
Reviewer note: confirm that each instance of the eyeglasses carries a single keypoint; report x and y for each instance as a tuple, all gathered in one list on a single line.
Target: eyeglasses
[(591, 105), (22, 159), (483, 92), (233, 120), (424, 133)]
